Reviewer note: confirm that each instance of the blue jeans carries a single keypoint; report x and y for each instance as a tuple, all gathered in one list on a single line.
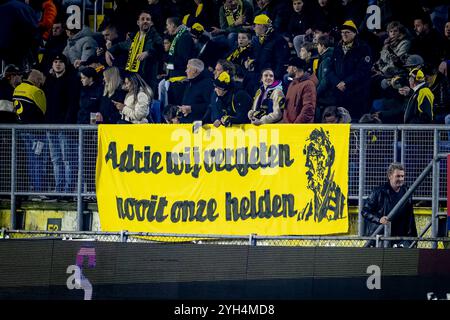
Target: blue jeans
[(163, 87), (34, 143), (63, 152)]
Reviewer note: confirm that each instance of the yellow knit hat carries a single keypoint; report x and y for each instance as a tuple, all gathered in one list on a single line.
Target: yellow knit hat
[(223, 81), (349, 25), (262, 19)]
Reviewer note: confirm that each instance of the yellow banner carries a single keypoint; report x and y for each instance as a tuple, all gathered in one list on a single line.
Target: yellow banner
[(268, 180)]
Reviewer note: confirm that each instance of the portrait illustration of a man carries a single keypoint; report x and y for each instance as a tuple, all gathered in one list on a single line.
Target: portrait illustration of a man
[(328, 201)]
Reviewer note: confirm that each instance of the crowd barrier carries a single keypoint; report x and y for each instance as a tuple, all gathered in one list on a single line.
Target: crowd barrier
[(28, 168)]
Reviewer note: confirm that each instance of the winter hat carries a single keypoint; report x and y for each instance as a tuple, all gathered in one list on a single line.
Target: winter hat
[(349, 25), (417, 74), (223, 81), (197, 30), (61, 58), (262, 19)]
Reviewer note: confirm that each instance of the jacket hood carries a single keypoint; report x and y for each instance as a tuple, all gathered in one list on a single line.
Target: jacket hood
[(85, 32)]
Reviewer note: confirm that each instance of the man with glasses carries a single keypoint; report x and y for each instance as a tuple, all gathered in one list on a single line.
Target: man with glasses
[(350, 72)]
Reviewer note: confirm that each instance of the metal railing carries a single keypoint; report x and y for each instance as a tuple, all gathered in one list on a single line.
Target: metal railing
[(29, 168), (251, 240)]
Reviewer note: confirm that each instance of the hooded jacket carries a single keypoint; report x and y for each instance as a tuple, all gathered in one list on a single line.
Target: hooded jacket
[(81, 46)]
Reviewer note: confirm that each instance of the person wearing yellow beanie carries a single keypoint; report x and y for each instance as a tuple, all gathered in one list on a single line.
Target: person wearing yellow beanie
[(271, 50), (231, 105)]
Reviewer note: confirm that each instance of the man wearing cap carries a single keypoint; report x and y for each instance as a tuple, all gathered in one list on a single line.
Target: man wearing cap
[(350, 72), (231, 105), (301, 95), (419, 107), (62, 92), (271, 49), (11, 78), (54, 45)]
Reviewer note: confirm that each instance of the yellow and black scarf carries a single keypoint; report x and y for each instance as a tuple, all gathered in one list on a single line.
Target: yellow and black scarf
[(233, 15), (137, 47), (237, 53), (266, 35), (199, 10)]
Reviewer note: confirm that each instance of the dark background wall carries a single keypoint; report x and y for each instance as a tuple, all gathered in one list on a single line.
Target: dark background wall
[(37, 270)]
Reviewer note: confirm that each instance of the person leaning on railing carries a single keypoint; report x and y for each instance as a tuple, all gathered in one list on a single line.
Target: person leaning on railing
[(383, 199)]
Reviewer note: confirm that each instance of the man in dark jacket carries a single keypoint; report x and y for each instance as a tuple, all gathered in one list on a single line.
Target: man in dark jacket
[(62, 91), (382, 201), (181, 49), (270, 49), (54, 46), (350, 72), (428, 42), (231, 104), (144, 50), (325, 98), (419, 107), (90, 94), (197, 94)]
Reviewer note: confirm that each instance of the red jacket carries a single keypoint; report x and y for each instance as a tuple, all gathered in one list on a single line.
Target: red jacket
[(49, 13), (301, 100)]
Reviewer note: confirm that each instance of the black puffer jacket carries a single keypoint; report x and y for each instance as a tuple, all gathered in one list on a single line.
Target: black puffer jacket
[(380, 203)]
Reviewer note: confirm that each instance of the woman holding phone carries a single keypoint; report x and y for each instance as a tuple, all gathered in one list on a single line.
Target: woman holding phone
[(136, 107)]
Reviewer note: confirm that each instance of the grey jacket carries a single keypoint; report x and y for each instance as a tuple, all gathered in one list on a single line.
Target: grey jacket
[(81, 46)]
